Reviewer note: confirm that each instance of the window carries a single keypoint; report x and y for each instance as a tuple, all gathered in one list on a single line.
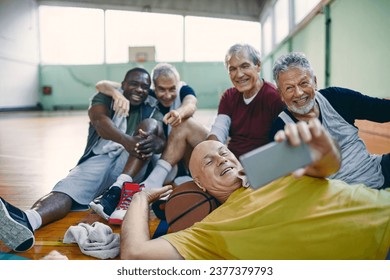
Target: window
[(267, 35), (126, 29), (94, 36), (281, 20), (71, 35), (208, 39), (302, 8)]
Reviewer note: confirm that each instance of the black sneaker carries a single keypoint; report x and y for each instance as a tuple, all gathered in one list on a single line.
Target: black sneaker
[(15, 229), (105, 204)]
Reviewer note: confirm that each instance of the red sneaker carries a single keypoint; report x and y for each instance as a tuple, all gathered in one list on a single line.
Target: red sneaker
[(128, 190)]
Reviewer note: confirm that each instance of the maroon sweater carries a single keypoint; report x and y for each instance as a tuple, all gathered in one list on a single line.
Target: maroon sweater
[(251, 124)]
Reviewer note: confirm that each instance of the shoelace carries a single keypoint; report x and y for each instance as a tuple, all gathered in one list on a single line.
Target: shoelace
[(128, 196)]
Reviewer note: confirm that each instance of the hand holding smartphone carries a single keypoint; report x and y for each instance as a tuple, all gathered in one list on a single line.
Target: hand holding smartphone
[(273, 161)]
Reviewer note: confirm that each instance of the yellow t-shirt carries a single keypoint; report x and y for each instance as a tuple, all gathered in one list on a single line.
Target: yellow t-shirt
[(308, 218)]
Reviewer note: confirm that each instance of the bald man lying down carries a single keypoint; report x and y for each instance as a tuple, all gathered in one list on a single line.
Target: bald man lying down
[(300, 216)]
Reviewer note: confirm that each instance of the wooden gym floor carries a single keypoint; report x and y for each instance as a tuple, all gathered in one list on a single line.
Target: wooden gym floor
[(39, 148)]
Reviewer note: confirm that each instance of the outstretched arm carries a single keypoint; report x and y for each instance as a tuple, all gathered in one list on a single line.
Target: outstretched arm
[(135, 235), (325, 152), (110, 88), (186, 110), (220, 129)]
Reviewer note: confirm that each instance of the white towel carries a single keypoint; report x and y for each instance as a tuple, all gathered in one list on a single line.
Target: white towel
[(109, 147), (96, 240)]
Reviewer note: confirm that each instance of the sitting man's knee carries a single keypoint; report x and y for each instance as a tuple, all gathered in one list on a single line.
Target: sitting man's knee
[(185, 127), (189, 129), (148, 125)]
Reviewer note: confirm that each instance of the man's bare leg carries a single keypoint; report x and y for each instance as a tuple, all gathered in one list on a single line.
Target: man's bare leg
[(22, 224), (181, 142), (53, 206), (56, 205), (110, 200)]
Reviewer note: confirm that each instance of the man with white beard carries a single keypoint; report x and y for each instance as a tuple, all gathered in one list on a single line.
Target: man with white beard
[(337, 109)]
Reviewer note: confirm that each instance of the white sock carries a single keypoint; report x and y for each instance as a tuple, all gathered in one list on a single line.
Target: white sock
[(157, 176), (182, 179), (121, 179), (34, 218)]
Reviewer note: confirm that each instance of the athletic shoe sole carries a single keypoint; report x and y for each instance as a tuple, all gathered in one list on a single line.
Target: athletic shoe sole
[(98, 208), (116, 217), (116, 222), (14, 235)]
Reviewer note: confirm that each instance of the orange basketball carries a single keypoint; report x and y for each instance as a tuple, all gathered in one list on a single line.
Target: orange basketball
[(187, 205)]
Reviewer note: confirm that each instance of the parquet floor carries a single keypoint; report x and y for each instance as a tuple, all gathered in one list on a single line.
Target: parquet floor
[(37, 149)]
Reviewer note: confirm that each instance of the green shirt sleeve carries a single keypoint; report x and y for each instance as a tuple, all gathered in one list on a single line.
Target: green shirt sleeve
[(100, 98)]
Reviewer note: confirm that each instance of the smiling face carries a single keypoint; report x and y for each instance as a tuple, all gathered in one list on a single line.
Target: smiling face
[(136, 87), (244, 74), (165, 88), (215, 169), (297, 88)]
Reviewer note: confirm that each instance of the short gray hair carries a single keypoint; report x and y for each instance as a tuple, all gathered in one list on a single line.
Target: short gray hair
[(164, 69), (291, 60), (239, 48)]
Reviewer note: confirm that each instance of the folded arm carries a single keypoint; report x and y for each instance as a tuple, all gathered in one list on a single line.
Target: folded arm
[(152, 142), (220, 129), (105, 127)]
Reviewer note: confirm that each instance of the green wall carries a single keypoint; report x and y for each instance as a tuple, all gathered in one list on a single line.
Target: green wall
[(72, 86), (360, 45), (314, 48)]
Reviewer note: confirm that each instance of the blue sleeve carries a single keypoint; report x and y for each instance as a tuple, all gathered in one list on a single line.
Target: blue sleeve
[(278, 124), (186, 90), (352, 105)]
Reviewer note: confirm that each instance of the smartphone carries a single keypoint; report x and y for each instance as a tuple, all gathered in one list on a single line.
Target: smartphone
[(273, 161)]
